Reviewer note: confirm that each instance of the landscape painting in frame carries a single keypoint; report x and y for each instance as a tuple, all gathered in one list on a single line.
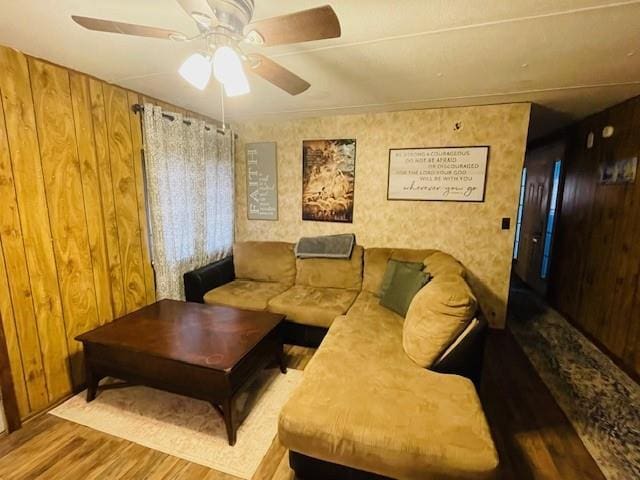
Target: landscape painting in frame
[(328, 180)]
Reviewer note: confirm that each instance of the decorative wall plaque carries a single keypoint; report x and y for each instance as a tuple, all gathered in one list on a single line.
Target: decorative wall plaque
[(456, 174), (619, 171), (262, 181)]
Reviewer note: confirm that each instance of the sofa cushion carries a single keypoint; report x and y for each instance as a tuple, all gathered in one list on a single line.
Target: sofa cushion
[(375, 264), (312, 306), (405, 283), (331, 272), (392, 264), (363, 403), (246, 294), (440, 263), (436, 317), (265, 261)]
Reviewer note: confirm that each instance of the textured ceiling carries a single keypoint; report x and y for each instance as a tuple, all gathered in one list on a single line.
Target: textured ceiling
[(573, 57)]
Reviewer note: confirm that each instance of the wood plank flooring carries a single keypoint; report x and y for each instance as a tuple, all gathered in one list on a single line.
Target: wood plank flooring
[(534, 438)]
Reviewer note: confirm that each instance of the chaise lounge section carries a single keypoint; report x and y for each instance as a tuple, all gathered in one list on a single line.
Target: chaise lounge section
[(367, 408)]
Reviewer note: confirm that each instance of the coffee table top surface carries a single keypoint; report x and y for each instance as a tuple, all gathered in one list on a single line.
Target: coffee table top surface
[(215, 337)]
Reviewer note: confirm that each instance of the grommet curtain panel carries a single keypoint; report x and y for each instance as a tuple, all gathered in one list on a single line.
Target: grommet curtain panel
[(190, 194)]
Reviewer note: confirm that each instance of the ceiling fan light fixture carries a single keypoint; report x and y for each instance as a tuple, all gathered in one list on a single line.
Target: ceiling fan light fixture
[(238, 87), (196, 70), (227, 68)]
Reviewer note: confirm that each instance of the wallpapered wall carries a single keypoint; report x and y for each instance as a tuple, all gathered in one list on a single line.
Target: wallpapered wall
[(469, 231)]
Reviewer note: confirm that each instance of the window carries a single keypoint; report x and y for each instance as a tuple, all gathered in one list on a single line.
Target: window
[(548, 236), (523, 186)]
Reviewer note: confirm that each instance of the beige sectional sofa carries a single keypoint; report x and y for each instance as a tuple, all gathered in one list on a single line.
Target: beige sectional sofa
[(367, 407)]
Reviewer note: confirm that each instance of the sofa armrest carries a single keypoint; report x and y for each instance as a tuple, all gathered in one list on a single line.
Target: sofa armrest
[(467, 356), (200, 281)]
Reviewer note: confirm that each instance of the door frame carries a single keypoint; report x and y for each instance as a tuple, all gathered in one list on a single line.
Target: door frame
[(557, 148)]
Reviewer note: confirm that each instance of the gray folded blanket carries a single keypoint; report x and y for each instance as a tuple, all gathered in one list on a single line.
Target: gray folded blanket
[(327, 246)]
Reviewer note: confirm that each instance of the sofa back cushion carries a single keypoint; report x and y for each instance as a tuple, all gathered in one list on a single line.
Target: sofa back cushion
[(375, 264), (265, 261), (331, 272), (440, 263), (438, 314)]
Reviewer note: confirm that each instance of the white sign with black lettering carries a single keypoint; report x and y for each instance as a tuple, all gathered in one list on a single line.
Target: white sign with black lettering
[(454, 174)]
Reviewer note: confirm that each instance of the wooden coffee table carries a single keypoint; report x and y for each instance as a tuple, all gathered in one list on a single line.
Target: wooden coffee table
[(201, 351)]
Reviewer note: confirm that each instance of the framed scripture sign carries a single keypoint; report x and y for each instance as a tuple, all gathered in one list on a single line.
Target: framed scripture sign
[(455, 174), (262, 181)]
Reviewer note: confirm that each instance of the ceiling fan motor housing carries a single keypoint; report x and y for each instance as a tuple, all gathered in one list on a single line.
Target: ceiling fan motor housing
[(233, 14)]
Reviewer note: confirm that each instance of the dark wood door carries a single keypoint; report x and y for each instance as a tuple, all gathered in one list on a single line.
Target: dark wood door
[(537, 202)]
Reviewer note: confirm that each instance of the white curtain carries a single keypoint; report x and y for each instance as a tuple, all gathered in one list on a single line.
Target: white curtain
[(190, 188)]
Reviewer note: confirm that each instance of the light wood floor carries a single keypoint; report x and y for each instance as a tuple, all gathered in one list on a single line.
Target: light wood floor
[(533, 437), (49, 447)]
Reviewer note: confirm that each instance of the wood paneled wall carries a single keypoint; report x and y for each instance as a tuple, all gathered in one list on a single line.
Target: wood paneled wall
[(596, 265), (74, 250)]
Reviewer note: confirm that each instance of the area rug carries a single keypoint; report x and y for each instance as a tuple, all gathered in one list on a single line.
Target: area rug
[(599, 399), (187, 428)]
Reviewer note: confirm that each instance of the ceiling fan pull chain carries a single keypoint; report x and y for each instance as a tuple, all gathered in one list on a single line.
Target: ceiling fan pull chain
[(224, 125)]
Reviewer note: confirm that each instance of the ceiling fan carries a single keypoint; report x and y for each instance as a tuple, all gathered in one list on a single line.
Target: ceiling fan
[(225, 25)]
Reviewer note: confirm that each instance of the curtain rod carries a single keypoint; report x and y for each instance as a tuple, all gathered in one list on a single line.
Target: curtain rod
[(137, 108)]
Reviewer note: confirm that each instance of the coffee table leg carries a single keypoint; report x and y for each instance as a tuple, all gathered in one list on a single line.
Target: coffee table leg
[(92, 383), (229, 420)]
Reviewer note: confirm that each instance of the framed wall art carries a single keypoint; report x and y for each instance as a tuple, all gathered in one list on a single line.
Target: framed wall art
[(455, 174), (619, 171), (262, 181), (328, 180)]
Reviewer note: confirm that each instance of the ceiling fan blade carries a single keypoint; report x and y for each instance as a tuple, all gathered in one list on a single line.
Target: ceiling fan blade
[(314, 24), (276, 74), (100, 25)]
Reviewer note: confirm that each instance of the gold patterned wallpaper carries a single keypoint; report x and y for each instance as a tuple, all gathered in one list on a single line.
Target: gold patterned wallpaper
[(469, 231)]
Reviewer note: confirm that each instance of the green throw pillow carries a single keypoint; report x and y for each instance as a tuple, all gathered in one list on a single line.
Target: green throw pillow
[(405, 283), (391, 268)]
